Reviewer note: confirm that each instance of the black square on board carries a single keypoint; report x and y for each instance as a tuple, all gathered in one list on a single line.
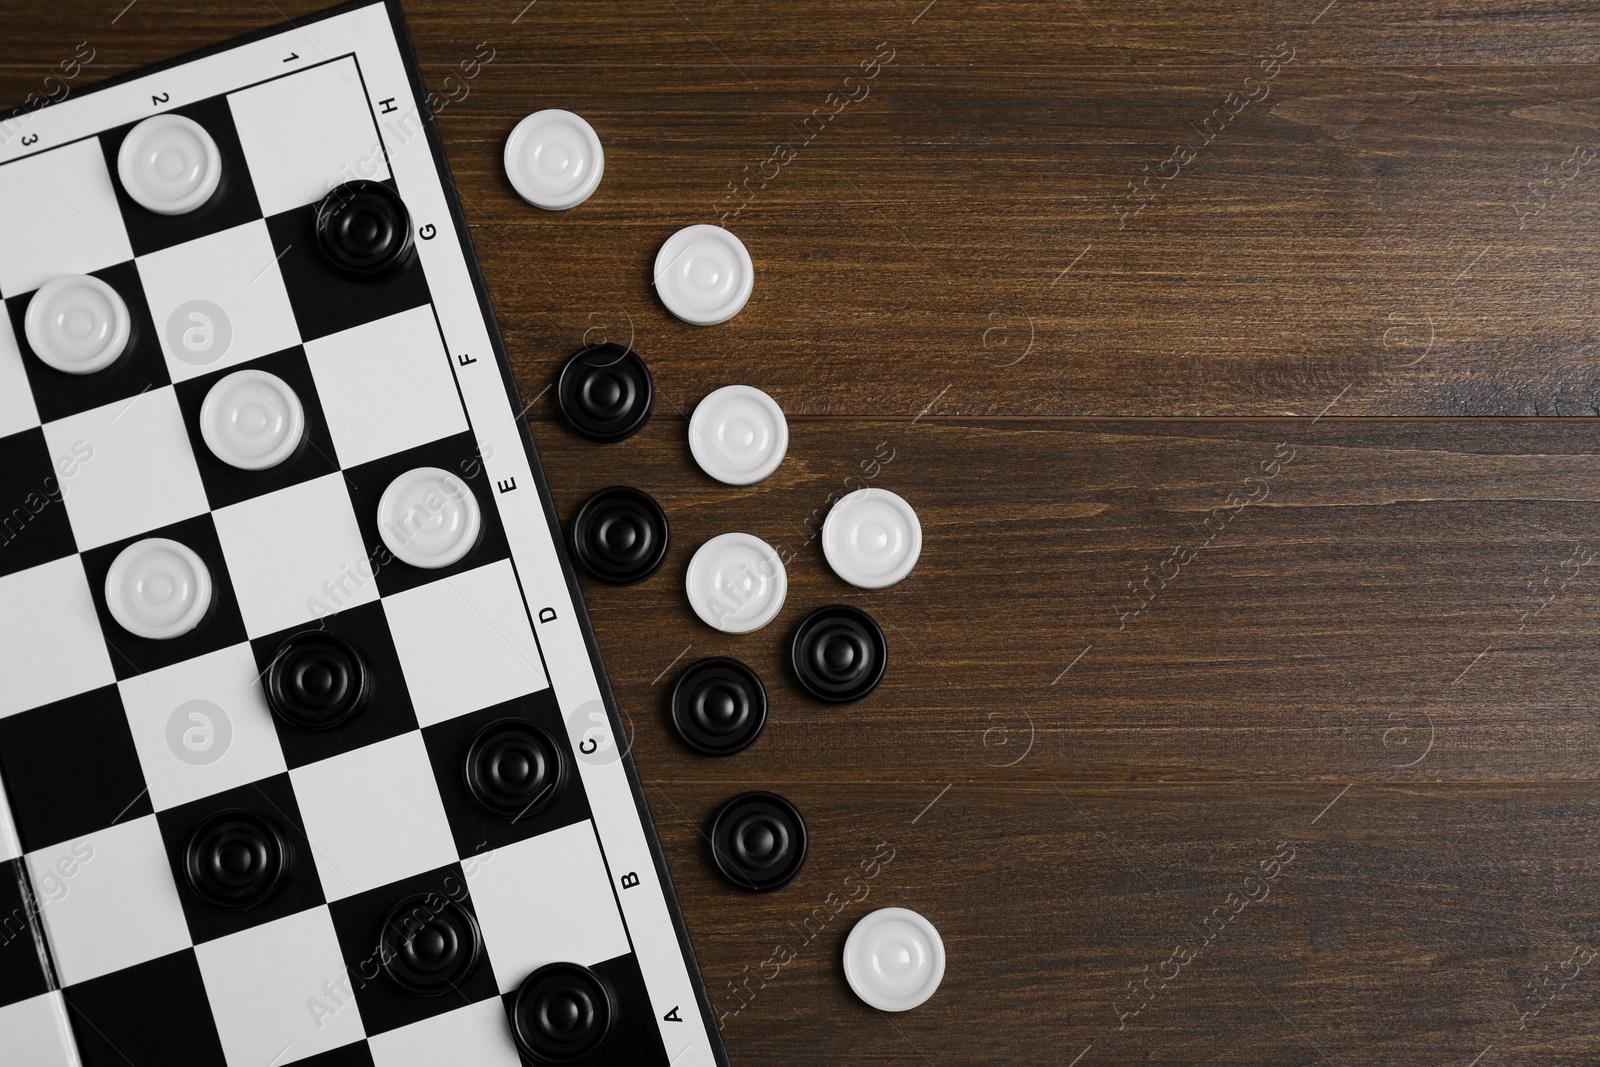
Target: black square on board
[(220, 627), (355, 1054), (359, 922), (388, 711), (155, 1012), (457, 454), (326, 300), (70, 768), (233, 203), (141, 366), (22, 972), (226, 484), (476, 828), (34, 528), (272, 798)]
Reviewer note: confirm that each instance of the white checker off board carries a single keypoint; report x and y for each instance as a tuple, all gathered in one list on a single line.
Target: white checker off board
[(364, 812)]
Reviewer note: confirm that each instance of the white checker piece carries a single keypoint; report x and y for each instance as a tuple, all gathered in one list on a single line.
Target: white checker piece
[(236, 270), (477, 1034), (373, 816), (77, 324), (169, 164), (894, 959), (381, 386), (545, 900), (738, 434), (464, 643), (247, 743), (68, 221), (116, 873), (139, 473), (38, 1033), (429, 518), (703, 274), (872, 538), (294, 162), (295, 555), (554, 159), (158, 588), (51, 646), (252, 420), (736, 583), (260, 980), (17, 410)]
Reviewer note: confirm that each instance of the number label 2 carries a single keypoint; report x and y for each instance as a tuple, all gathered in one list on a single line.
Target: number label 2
[(160, 98)]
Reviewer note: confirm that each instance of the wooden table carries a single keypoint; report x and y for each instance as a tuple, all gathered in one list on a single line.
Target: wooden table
[(1240, 710)]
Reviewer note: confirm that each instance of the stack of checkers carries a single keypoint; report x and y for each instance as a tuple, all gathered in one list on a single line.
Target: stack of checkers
[(736, 583)]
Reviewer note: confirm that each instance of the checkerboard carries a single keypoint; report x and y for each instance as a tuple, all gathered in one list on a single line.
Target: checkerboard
[(116, 750)]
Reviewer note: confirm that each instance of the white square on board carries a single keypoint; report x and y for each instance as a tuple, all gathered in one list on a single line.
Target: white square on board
[(295, 555), (545, 900), (17, 411), (386, 386), (201, 726), (265, 982), (478, 1034), (373, 816), (108, 900), (38, 1033), (61, 217), (51, 646), (135, 468), (294, 162), (236, 271), (464, 642)]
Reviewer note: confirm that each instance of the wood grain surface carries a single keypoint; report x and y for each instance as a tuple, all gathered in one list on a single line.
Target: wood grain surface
[(1231, 634)]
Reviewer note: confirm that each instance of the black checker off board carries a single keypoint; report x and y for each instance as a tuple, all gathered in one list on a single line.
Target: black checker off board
[(405, 905)]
